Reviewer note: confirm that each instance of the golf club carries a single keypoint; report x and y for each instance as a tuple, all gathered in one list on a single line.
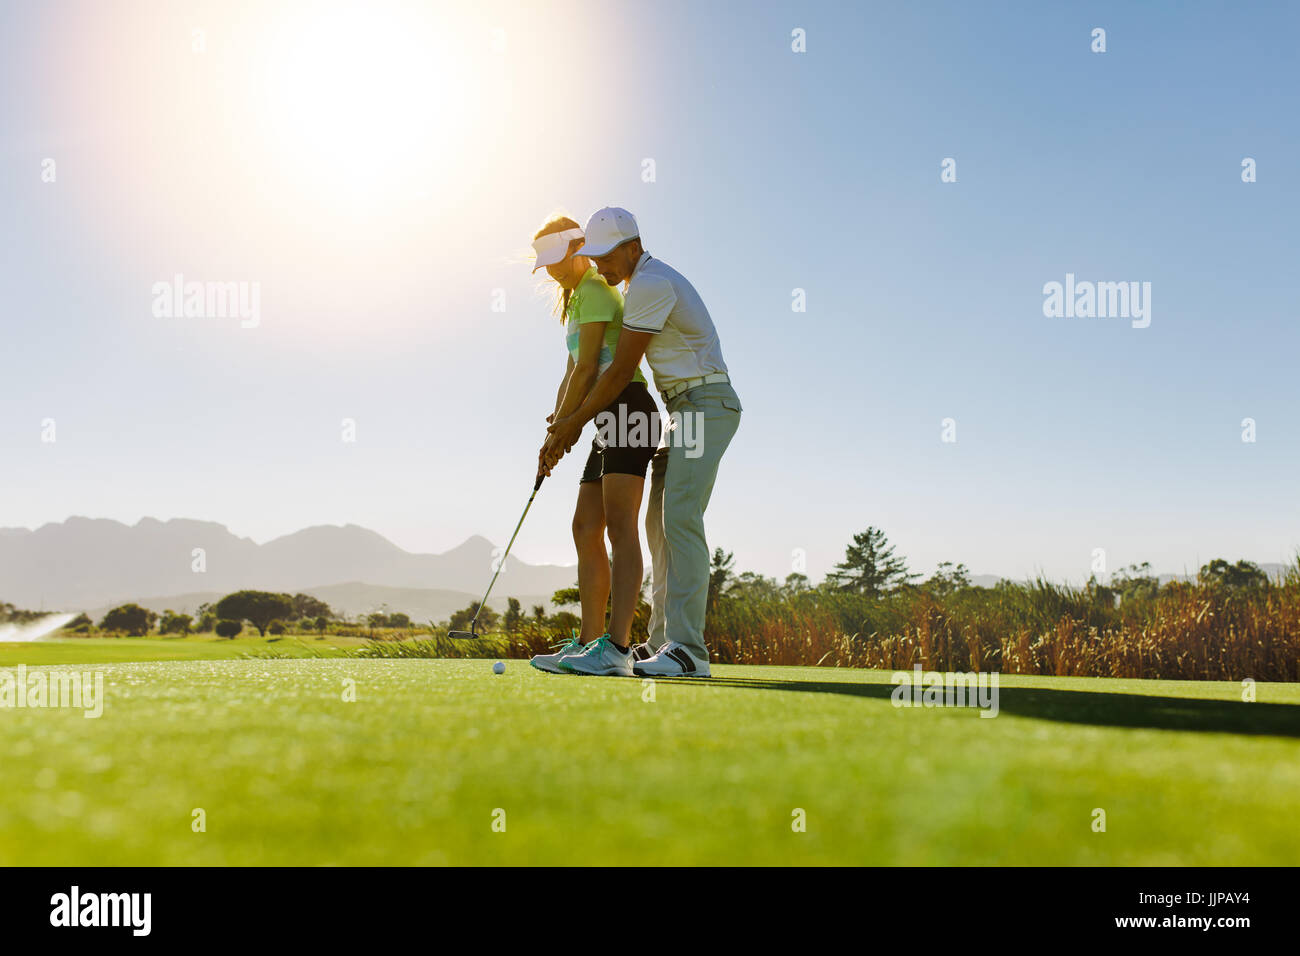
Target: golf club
[(483, 603)]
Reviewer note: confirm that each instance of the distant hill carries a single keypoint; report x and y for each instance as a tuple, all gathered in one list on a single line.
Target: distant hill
[(88, 563)]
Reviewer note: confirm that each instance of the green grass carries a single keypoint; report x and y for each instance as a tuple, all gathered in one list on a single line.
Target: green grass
[(203, 647), (589, 772)]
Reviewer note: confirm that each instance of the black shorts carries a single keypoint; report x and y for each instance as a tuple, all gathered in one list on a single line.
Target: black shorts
[(627, 434)]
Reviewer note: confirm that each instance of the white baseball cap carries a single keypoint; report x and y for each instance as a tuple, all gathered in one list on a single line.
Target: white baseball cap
[(607, 228), (553, 247)]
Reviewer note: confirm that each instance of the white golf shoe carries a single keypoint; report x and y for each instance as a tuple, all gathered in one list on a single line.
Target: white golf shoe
[(672, 660), (550, 663), (600, 658)]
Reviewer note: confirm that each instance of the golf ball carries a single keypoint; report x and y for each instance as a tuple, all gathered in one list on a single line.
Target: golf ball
[(499, 667)]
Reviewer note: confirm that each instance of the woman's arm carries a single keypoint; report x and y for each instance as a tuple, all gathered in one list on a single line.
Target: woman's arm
[(564, 384), (591, 339)]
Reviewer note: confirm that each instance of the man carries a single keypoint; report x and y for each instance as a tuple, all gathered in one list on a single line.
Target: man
[(665, 320)]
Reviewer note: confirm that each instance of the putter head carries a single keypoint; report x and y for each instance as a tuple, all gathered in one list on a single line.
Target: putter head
[(462, 635)]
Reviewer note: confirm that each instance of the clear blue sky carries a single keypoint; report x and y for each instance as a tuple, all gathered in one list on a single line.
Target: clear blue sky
[(378, 256)]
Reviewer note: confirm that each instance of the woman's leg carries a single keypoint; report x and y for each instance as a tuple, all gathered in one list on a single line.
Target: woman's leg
[(622, 508), (593, 562)]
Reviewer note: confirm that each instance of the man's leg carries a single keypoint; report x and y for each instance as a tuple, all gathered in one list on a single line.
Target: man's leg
[(688, 485), (654, 533)]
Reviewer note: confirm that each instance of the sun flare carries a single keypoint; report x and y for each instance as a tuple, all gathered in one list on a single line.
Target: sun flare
[(362, 101)]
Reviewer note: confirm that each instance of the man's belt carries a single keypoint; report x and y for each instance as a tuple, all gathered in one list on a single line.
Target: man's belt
[(690, 383)]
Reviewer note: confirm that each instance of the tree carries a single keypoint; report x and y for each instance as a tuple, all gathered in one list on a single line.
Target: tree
[(539, 613), (869, 566), (259, 608), (1242, 576), (1135, 583), (304, 605), (173, 623), (566, 621), (720, 566), (277, 627), (948, 579), (228, 628), (566, 596), (130, 619), (487, 620), (322, 623), (393, 619), (795, 583), (10, 614), (514, 615), (754, 587)]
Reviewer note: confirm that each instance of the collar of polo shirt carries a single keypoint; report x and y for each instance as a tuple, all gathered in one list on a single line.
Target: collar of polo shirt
[(645, 256)]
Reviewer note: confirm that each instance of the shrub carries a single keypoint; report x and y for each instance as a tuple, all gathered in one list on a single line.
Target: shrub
[(1182, 631), (259, 608), (227, 628), (130, 619), (175, 623)]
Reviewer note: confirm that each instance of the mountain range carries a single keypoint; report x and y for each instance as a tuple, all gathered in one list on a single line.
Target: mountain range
[(91, 564)]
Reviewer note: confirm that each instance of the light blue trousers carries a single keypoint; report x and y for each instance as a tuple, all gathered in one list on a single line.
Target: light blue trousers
[(704, 420)]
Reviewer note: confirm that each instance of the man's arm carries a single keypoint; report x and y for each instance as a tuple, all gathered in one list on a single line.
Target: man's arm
[(577, 383), (631, 348), (563, 432), (650, 301)]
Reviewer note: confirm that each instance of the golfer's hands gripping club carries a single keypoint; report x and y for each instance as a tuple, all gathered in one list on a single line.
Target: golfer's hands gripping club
[(560, 438)]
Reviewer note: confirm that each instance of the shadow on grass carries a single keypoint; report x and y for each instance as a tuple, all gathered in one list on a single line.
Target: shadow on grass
[(1102, 709)]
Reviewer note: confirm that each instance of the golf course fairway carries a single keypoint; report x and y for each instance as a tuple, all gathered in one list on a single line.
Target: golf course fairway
[(342, 761)]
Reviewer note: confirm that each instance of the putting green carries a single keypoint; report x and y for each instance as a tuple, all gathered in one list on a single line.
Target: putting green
[(416, 769)]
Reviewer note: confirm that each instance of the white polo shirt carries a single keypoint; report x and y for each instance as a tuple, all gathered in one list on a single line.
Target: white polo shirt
[(660, 300)]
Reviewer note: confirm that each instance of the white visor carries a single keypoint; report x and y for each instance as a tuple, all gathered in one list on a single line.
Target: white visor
[(553, 247)]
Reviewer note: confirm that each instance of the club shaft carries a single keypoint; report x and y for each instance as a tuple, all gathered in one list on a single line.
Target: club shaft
[(502, 563)]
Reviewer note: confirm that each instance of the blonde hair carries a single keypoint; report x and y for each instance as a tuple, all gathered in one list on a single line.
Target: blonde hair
[(559, 224)]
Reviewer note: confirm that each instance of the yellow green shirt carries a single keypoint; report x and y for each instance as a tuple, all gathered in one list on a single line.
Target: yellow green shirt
[(594, 301)]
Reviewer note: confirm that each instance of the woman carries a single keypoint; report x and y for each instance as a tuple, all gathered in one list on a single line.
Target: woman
[(610, 490)]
